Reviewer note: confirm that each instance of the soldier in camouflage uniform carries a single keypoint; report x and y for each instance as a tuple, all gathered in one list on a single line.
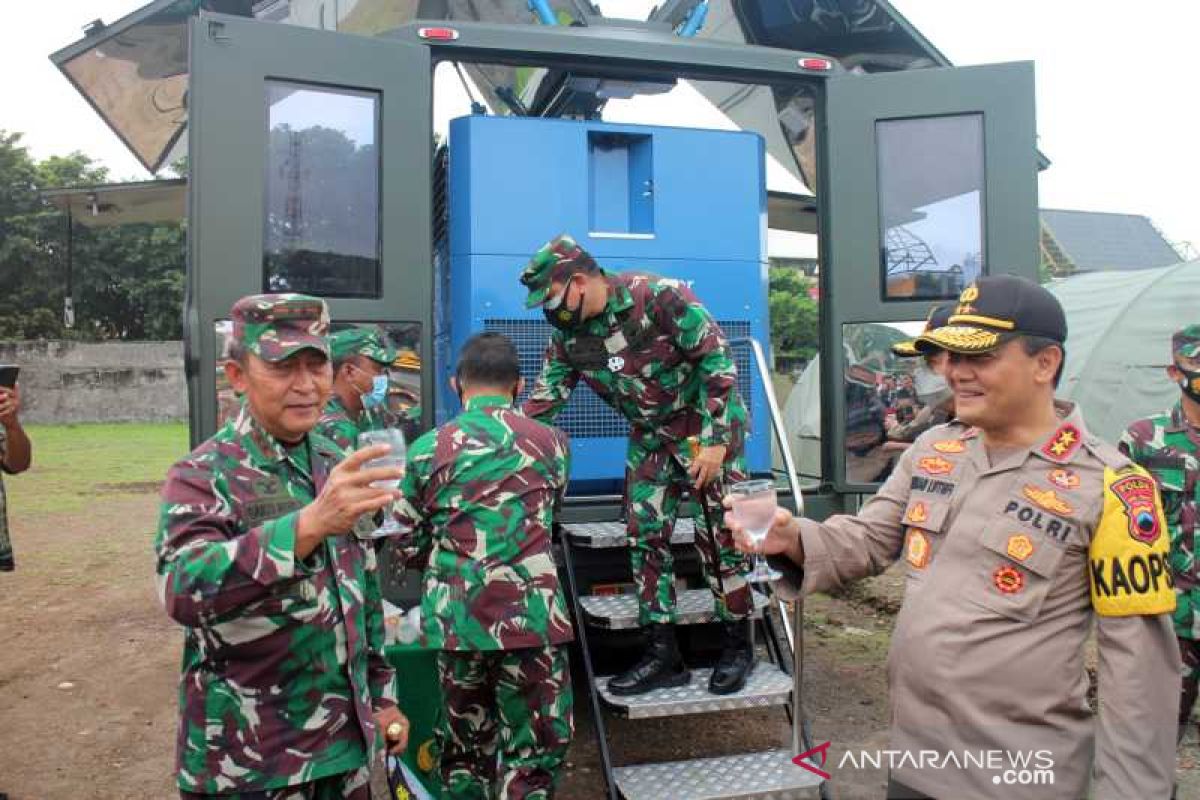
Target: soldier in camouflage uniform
[(361, 357), (651, 350), (934, 396), (1168, 445), (479, 497), (284, 684)]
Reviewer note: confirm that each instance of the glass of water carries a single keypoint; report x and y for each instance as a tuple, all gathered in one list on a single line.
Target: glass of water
[(394, 438), (754, 509)]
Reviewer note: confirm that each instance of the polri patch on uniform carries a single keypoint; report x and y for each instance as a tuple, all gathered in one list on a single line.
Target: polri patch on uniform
[(917, 548), (1136, 493), (1049, 500), (1063, 444), (1064, 478), (917, 514), (1008, 580), (935, 465), (950, 446), (1020, 547)]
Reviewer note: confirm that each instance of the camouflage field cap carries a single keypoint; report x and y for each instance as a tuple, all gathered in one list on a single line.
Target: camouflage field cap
[(1186, 342), (365, 340), (275, 326), (557, 260), (938, 317), (994, 309)]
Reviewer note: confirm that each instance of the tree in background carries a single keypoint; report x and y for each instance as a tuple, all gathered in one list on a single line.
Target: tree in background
[(794, 315), (128, 280)]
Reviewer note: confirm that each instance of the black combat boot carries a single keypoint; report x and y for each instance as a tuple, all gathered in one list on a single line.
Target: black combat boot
[(661, 665), (736, 661)]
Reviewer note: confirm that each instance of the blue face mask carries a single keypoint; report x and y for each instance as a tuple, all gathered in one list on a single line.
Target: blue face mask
[(378, 393)]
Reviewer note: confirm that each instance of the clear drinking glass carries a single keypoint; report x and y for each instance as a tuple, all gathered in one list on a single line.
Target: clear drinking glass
[(754, 508), (394, 438)]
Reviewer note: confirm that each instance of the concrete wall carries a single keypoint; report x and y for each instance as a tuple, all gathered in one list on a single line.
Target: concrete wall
[(63, 382)]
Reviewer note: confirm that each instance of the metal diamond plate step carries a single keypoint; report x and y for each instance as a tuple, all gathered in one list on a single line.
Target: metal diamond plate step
[(767, 686), (597, 535), (770, 775), (620, 611)]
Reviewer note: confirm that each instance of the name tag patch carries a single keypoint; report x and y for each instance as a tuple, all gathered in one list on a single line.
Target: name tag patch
[(1057, 529), (931, 485)]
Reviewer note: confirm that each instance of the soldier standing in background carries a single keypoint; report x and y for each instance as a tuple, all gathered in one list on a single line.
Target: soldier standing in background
[(480, 494), (284, 684), (361, 357), (651, 350), (934, 397), (1168, 446)]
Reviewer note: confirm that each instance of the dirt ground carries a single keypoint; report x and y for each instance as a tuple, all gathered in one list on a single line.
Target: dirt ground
[(88, 668)]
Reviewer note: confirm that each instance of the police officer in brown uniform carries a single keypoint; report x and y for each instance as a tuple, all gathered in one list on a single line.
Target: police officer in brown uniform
[(1019, 528)]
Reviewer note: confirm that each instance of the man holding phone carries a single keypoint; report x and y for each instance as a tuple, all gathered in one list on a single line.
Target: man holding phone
[(16, 453)]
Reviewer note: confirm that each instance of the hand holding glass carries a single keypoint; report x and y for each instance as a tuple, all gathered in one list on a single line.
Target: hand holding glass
[(754, 508), (393, 438)]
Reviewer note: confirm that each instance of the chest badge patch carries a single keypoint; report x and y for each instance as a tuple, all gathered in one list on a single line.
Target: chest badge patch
[(1049, 500), (917, 549), (1064, 479), (917, 514), (1136, 493), (616, 363), (950, 446), (1020, 547), (935, 465), (1008, 580)]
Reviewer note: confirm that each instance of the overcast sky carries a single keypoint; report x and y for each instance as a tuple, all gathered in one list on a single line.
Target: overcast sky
[(1116, 102)]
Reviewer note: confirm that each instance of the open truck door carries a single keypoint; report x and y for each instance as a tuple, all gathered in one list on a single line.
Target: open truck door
[(928, 180), (310, 172)]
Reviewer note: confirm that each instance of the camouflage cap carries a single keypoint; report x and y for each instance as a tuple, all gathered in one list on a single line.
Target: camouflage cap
[(275, 326), (364, 340), (557, 260), (1186, 342)]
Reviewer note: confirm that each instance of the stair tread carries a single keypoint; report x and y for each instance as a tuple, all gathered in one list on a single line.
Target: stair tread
[(620, 611), (598, 535), (767, 686), (748, 776)]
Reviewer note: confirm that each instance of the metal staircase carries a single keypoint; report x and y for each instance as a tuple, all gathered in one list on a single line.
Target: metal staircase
[(773, 683)]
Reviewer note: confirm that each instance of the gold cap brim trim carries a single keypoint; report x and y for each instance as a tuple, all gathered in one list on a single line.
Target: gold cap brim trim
[(959, 339)]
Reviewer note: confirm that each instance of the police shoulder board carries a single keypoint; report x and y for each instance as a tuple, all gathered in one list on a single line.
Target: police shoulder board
[(1128, 567)]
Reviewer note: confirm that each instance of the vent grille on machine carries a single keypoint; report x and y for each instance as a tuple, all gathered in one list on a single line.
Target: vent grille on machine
[(586, 415)]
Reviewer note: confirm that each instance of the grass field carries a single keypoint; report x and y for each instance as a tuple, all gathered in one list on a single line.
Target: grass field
[(74, 465)]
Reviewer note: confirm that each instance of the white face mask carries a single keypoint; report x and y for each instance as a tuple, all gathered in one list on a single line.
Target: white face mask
[(931, 388)]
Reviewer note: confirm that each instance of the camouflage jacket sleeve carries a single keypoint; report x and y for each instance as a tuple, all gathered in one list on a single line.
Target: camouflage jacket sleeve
[(207, 567), (415, 544), (1134, 442), (679, 314), (554, 384), (381, 678)]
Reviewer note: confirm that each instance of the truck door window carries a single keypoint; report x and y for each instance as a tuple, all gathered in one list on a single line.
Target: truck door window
[(930, 205), (321, 222)]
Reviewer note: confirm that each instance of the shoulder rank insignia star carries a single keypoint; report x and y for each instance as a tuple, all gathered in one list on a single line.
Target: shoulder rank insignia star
[(1049, 500), (1063, 444), (935, 465), (1064, 479), (950, 446)]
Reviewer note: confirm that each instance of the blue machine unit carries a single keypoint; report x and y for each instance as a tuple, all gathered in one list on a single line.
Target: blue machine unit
[(678, 202)]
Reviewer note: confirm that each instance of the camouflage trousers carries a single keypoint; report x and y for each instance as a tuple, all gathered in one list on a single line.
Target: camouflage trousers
[(1190, 650), (655, 479), (352, 785), (507, 722)]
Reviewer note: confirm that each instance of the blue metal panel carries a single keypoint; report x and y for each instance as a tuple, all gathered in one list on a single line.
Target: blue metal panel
[(514, 183)]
